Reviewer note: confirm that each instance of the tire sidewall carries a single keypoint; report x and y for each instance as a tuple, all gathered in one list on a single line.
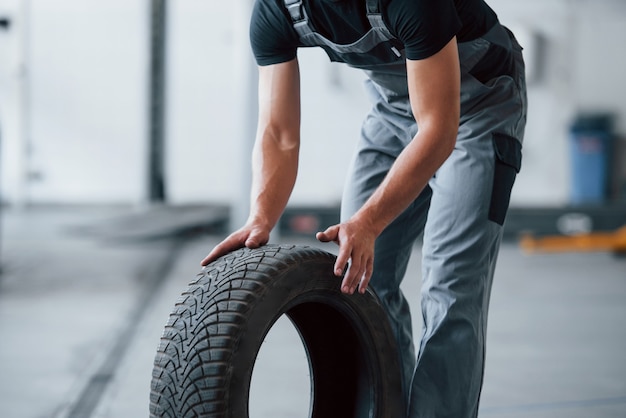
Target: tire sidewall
[(310, 281)]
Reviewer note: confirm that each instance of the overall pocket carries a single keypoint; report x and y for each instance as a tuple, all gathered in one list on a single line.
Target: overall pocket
[(508, 155)]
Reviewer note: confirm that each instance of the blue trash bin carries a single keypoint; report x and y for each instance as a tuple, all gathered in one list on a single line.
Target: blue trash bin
[(591, 144)]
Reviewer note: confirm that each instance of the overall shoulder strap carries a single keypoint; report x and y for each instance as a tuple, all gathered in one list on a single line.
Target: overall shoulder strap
[(375, 17), (299, 17)]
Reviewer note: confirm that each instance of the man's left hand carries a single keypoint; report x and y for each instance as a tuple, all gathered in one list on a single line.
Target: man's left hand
[(356, 248)]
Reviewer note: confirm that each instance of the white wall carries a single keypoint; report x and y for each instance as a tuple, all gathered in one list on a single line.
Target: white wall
[(78, 80), (201, 138), (88, 77)]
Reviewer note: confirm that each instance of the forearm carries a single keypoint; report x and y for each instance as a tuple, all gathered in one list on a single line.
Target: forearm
[(274, 171), (275, 157), (406, 179)]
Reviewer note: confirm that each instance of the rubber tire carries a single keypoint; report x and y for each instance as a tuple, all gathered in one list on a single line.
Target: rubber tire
[(203, 366)]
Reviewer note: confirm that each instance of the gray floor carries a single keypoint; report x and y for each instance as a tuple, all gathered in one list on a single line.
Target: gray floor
[(81, 314)]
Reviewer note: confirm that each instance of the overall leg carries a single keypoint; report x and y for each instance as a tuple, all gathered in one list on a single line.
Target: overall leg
[(459, 252), (384, 133), (470, 195)]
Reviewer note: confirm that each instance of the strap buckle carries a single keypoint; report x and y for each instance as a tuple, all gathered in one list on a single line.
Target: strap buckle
[(296, 10)]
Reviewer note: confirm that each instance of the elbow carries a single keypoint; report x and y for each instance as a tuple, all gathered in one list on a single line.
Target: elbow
[(448, 131), (449, 141), (281, 139), (440, 130), (287, 142), (442, 136)]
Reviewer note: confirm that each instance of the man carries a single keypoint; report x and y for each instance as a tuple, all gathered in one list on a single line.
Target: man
[(438, 155)]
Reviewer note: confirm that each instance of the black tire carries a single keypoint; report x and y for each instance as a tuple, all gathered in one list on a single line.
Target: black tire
[(204, 362)]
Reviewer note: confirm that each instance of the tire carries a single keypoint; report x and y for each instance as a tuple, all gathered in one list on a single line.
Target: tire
[(203, 366)]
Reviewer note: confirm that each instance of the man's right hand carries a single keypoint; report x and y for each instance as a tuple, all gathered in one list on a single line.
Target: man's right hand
[(250, 236)]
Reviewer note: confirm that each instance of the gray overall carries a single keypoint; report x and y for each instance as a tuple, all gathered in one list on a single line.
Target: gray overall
[(460, 213)]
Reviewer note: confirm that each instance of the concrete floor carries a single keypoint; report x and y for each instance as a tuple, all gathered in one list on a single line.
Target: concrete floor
[(81, 314)]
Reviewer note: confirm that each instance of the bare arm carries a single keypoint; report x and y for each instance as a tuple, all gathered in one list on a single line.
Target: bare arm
[(275, 157), (434, 90), (434, 93)]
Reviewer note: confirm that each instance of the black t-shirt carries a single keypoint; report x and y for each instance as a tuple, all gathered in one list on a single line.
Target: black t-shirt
[(422, 27)]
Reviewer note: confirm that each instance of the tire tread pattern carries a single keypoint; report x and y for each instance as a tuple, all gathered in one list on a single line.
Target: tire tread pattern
[(192, 365)]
